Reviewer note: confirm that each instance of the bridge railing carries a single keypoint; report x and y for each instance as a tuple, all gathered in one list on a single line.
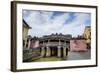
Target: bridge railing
[(54, 44)]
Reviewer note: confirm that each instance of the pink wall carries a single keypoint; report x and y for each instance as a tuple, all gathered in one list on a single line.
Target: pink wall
[(78, 45), (34, 44)]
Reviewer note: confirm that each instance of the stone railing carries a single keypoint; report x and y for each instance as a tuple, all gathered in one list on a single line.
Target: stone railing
[(31, 54)]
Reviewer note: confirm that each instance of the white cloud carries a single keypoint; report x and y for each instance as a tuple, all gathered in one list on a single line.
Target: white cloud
[(43, 24)]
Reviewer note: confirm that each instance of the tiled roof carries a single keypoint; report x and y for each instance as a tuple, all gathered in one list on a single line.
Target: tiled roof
[(25, 24)]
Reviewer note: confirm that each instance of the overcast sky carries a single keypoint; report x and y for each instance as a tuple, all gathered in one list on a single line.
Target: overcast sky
[(47, 22)]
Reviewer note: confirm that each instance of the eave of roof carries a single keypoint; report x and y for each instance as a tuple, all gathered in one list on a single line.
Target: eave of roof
[(26, 25)]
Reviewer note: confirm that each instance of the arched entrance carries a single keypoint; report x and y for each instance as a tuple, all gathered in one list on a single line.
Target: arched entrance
[(53, 51), (61, 52)]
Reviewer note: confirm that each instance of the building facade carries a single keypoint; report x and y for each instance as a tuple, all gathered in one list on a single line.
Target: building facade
[(26, 28), (78, 44), (87, 36), (34, 43)]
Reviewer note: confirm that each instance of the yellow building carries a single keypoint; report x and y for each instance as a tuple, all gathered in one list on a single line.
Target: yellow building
[(26, 28), (87, 34)]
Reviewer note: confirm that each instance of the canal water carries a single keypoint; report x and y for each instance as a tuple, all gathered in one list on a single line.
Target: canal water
[(71, 56), (79, 55)]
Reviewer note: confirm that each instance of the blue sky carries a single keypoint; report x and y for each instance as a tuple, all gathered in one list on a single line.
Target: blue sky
[(47, 22)]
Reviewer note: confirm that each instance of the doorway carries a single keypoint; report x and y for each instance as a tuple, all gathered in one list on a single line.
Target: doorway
[(53, 51)]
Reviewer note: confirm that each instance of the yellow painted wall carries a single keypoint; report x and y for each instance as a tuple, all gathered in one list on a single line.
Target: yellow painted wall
[(87, 35), (25, 32), (25, 35)]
